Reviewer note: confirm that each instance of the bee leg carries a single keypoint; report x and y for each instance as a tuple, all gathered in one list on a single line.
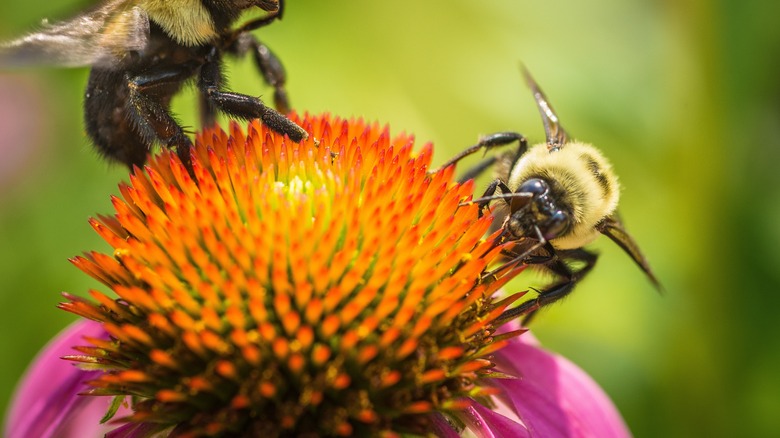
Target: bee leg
[(532, 257), (487, 142), (208, 112), (150, 116), (257, 23), (554, 293), (269, 65), (484, 201), (527, 254), (242, 106)]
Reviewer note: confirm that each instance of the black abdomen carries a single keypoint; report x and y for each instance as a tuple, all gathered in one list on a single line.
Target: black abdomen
[(107, 121)]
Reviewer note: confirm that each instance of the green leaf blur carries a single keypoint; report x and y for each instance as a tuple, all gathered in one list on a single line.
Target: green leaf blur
[(683, 97)]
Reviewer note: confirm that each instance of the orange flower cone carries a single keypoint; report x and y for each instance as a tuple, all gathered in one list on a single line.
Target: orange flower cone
[(333, 287)]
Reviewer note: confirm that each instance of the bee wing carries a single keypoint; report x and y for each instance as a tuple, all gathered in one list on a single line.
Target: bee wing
[(556, 135), (613, 228), (101, 37)]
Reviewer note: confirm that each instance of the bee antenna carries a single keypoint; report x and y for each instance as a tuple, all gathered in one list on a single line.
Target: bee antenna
[(487, 199)]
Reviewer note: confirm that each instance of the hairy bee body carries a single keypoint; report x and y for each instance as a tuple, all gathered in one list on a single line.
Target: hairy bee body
[(118, 131), (142, 52), (552, 199), (581, 181), (202, 23)]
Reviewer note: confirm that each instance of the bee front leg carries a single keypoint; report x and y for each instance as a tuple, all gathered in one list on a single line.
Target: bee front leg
[(269, 66), (488, 196), (266, 61), (494, 140), (559, 290), (242, 106), (150, 115)]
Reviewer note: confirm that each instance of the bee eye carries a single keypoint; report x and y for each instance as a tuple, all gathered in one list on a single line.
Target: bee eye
[(535, 186), (557, 225)]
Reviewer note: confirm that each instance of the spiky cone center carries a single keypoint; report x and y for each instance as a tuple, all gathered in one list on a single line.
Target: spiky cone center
[(285, 288)]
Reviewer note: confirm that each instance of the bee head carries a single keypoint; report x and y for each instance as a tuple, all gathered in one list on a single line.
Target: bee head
[(537, 215)]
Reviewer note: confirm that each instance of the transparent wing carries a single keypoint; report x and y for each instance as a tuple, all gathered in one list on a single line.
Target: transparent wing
[(556, 135), (101, 37)]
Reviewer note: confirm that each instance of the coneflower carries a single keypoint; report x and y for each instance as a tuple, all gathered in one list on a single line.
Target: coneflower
[(334, 287)]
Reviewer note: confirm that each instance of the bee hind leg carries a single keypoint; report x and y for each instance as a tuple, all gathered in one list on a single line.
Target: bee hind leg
[(269, 66), (151, 117), (242, 106), (556, 263)]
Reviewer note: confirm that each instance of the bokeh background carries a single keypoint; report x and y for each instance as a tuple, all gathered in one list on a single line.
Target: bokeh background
[(683, 96)]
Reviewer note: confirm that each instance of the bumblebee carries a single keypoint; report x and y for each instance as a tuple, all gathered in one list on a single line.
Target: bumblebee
[(553, 199), (142, 52)]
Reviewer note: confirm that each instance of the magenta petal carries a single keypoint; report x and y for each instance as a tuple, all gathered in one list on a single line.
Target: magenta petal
[(553, 397), (486, 423), (441, 428), (46, 403), (133, 430)]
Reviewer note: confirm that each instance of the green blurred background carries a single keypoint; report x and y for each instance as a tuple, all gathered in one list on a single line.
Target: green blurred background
[(683, 96)]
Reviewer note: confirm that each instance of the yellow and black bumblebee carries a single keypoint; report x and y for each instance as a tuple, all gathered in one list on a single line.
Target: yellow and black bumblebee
[(142, 52), (554, 198)]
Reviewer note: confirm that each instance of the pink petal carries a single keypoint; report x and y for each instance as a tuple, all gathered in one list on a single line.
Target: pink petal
[(553, 397), (442, 428), (134, 430), (486, 423), (46, 403)]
